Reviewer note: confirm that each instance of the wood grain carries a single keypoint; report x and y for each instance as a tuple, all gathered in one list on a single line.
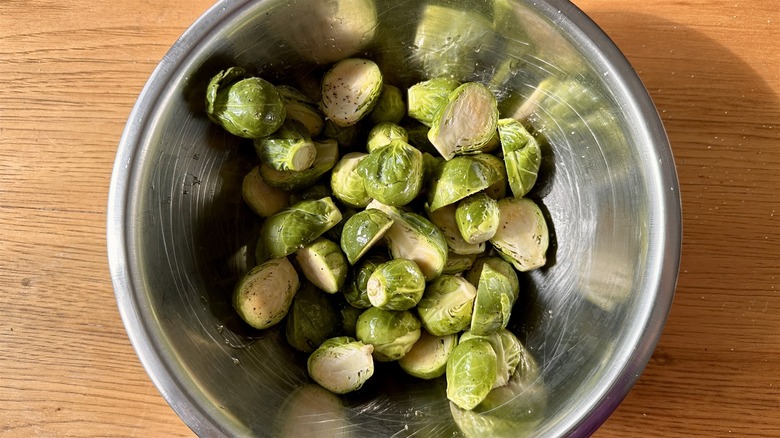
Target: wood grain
[(70, 73)]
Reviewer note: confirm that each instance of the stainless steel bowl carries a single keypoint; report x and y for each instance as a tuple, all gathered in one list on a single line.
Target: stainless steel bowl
[(178, 231)]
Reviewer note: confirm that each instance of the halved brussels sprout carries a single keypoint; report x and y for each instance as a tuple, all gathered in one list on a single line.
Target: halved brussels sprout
[(291, 180), (447, 304), (522, 156), (458, 263), (493, 303), (390, 107), (289, 148), (444, 218), (497, 190), (341, 364), (501, 266), (383, 134), (263, 295), (508, 411), (415, 238), (355, 292), (248, 107), (477, 218), (393, 174), (427, 97), (461, 177), (350, 89), (362, 231), (471, 372), (261, 197), (428, 357), (396, 285), (346, 183), (522, 237), (509, 352), (292, 228), (418, 137), (311, 320), (317, 191), (466, 123), (323, 264), (391, 332), (302, 109)]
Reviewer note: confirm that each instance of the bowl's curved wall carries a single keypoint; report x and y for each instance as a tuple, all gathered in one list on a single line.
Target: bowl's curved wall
[(179, 233)]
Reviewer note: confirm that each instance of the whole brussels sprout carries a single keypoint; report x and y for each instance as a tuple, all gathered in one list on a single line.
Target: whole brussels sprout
[(292, 180), (471, 372), (508, 411), (396, 285), (345, 182), (477, 217), (248, 107), (263, 295), (292, 228), (393, 174), (311, 320), (390, 107), (445, 219), (493, 303), (323, 264), (362, 231), (467, 123), (262, 198), (522, 237), (289, 148), (522, 156), (461, 177), (427, 97), (355, 292), (509, 352), (383, 134), (428, 357), (350, 89), (391, 332), (447, 305), (302, 109), (341, 364)]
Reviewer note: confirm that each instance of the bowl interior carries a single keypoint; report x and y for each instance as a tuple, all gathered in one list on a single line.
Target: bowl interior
[(179, 233)]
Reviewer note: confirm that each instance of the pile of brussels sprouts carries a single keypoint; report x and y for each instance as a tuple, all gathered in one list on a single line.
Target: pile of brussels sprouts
[(403, 245)]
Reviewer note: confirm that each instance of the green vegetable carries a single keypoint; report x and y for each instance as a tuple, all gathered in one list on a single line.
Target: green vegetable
[(391, 332), (493, 303), (461, 177), (261, 197), (323, 264), (499, 265), (427, 97), (415, 238), (355, 292), (393, 174), (471, 373), (350, 89), (382, 134), (248, 107), (428, 357), (263, 295), (497, 190), (522, 237), (296, 226), (390, 107), (311, 320), (477, 218), (291, 180), (345, 182), (341, 364), (349, 316), (396, 285), (362, 231), (445, 219), (458, 263), (509, 352), (302, 109), (289, 148), (447, 304), (467, 123), (522, 156)]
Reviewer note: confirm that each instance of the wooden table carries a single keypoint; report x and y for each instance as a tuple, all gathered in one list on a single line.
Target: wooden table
[(70, 72)]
